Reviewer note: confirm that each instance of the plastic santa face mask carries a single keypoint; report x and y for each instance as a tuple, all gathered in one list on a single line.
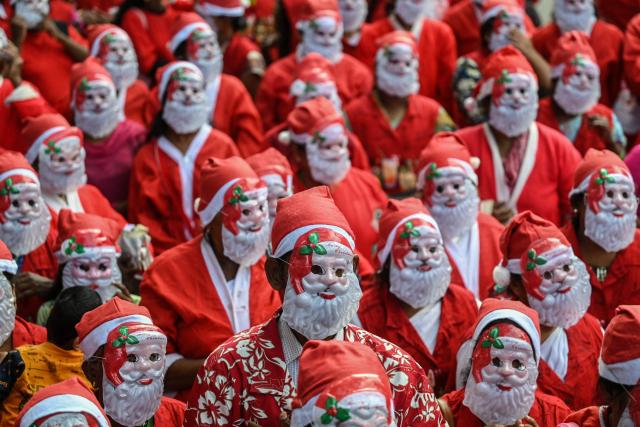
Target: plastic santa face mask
[(578, 89), (503, 24), (323, 35), (32, 11), (353, 13), (204, 51), (7, 309), (63, 156), (328, 154), (311, 90), (95, 96), (409, 10), (514, 103), (185, 110), (576, 15), (435, 9), (26, 204), (361, 409), (98, 272), (277, 190), (119, 58), (65, 419), (397, 70)]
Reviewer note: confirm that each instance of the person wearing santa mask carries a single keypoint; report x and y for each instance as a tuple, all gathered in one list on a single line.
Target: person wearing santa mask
[(627, 106), (540, 269), (231, 109), (619, 375), (227, 266), (314, 267), (605, 39), (166, 172), (603, 231), (503, 369), (414, 304), (124, 360), (111, 46), (275, 171), (394, 120), (353, 14), (524, 165), (320, 27), (68, 403), (574, 109), (358, 394), (449, 185), (320, 156)]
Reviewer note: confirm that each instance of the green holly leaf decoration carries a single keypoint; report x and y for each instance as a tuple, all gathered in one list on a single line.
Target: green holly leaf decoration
[(504, 77), (124, 338), (334, 411), (498, 344), (578, 60), (238, 196), (314, 238), (534, 260), (9, 188), (84, 85), (199, 35), (309, 88), (51, 148), (409, 231), (433, 171), (74, 247), (499, 289), (493, 333), (604, 177), (493, 340), (313, 246), (318, 138)]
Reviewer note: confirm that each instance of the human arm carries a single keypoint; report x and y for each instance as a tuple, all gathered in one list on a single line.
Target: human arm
[(539, 64), (77, 51)]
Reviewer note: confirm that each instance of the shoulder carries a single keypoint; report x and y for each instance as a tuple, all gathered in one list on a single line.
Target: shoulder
[(392, 357), (177, 257), (459, 9), (372, 305), (231, 82), (89, 190), (425, 104), (220, 140), (454, 398), (350, 63), (603, 110), (547, 31), (357, 106), (549, 403), (471, 134), (359, 176), (244, 344), (554, 139), (282, 67), (437, 28), (587, 334)]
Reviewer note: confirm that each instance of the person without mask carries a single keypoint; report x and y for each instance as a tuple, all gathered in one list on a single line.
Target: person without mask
[(540, 269), (166, 171), (314, 267), (603, 231), (574, 109), (316, 133), (124, 360), (523, 164), (275, 171), (500, 388), (226, 269), (414, 303)]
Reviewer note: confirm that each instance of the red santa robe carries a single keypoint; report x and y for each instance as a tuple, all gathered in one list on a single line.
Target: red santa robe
[(237, 54), (87, 199), (381, 314), (631, 56), (27, 333), (592, 416), (587, 137), (134, 98), (622, 284), (480, 256), (436, 48), (274, 101), (546, 172), (579, 386), (170, 413), (548, 411), (607, 43), (248, 375), (164, 185)]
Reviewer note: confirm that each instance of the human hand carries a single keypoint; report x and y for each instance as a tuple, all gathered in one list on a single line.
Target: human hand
[(503, 212), (50, 27), (30, 284), (18, 29), (521, 41)]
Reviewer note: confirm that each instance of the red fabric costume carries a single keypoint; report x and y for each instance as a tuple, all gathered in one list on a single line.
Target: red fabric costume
[(618, 12), (27, 333), (135, 101), (236, 55), (170, 413), (381, 314), (588, 417), (93, 202), (631, 56)]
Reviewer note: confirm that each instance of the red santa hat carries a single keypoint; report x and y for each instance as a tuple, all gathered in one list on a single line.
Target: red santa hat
[(88, 71), (571, 50), (186, 24), (397, 222), (232, 8), (312, 72), (41, 133), (303, 11), (598, 164), (7, 263), (98, 35), (15, 169), (308, 119), (306, 211), (271, 165), (323, 389), (82, 234), (224, 182), (402, 38), (620, 355), (522, 243), (494, 8), (69, 396), (95, 325), (174, 71)]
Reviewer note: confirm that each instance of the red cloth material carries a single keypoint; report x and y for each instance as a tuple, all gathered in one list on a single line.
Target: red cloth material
[(548, 411), (587, 137), (587, 417), (274, 101), (170, 413), (631, 56), (606, 41), (381, 314), (135, 101), (109, 162), (236, 55), (579, 387), (64, 11), (622, 284), (93, 202), (489, 230), (437, 51), (272, 391), (155, 190), (618, 12), (27, 333), (594, 161), (116, 308), (547, 188)]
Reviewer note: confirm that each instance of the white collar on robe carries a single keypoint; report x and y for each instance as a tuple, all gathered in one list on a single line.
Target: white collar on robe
[(56, 202), (122, 102), (528, 161), (555, 351), (464, 252), (427, 323), (212, 91)]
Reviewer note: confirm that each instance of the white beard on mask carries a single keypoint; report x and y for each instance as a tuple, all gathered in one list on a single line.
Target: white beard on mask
[(324, 169), (211, 69), (67, 419), (394, 84), (331, 50), (131, 404), (565, 310), (420, 288), (435, 9), (512, 122), (98, 125), (354, 18), (409, 11), (611, 233), (185, 119), (23, 239), (32, 17), (247, 247), (123, 75), (53, 183), (7, 309), (574, 101), (625, 419), (456, 221), (317, 318), (104, 287), (569, 20)]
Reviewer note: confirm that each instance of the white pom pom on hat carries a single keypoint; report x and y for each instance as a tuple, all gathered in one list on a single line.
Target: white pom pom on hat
[(501, 275)]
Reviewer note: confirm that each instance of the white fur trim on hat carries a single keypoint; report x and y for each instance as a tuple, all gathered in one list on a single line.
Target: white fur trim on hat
[(626, 373), (288, 242), (88, 252), (501, 275), (208, 9), (24, 92), (8, 266), (582, 188), (95, 47), (277, 179), (383, 254), (164, 80), (98, 337), (215, 204), (63, 403), (184, 34), (32, 153), (19, 171)]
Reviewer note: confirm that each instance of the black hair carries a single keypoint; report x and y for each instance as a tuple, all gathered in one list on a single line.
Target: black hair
[(180, 53), (125, 7), (68, 309), (613, 391), (283, 27)]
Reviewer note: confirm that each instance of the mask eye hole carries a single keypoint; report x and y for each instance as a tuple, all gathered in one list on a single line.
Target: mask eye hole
[(15, 204), (518, 365), (154, 357), (433, 249), (84, 267), (496, 362), (340, 272), (316, 269), (547, 275), (610, 194), (625, 195), (566, 268), (440, 188), (132, 358)]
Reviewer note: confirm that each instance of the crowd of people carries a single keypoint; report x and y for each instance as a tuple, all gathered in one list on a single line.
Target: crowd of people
[(297, 213)]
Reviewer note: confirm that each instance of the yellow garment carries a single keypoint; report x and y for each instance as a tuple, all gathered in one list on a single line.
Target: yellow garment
[(45, 364)]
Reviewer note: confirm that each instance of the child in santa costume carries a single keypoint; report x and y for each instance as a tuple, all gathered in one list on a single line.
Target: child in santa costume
[(232, 110), (574, 109), (524, 165), (414, 304), (501, 385), (275, 171), (313, 265), (394, 120), (540, 269), (166, 171), (124, 360), (619, 367), (603, 231), (227, 291), (359, 392)]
